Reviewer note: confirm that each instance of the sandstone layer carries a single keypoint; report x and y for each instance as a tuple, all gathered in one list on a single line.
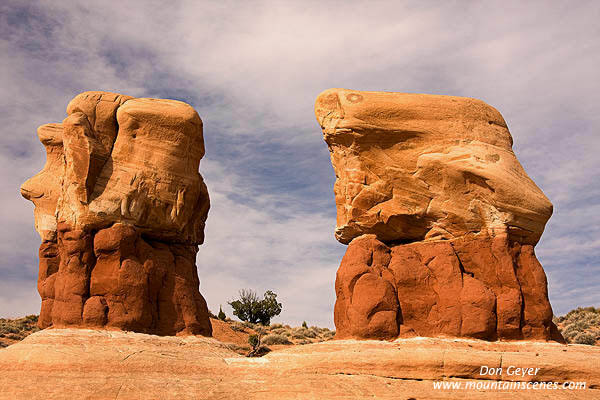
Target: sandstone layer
[(68, 363), (440, 216), (475, 286), (120, 208)]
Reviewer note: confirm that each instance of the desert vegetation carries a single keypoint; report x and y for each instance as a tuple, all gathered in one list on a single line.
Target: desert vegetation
[(248, 307), (14, 330), (580, 326), (275, 336)]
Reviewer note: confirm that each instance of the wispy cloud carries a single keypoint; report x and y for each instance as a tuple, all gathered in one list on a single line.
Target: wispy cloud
[(253, 70)]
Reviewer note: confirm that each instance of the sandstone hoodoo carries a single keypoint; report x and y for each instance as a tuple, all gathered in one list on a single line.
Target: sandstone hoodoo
[(121, 208), (440, 217)]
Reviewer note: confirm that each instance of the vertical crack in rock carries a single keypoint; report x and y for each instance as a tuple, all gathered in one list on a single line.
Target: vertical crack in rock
[(121, 209), (433, 180)]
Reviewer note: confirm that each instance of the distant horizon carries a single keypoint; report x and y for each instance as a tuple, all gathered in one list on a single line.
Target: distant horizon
[(253, 73), (234, 318)]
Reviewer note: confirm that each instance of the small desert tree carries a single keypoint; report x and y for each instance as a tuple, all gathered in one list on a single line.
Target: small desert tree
[(222, 315), (250, 308)]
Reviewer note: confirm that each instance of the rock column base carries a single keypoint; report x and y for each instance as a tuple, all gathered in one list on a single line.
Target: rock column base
[(115, 278), (477, 286)]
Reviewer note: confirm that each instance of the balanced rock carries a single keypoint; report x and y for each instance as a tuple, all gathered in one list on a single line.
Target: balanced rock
[(440, 216), (121, 208)]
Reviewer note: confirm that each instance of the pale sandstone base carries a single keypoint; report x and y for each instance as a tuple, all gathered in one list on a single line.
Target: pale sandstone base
[(89, 364)]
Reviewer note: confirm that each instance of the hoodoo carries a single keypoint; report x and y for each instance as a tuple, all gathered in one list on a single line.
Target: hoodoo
[(440, 218), (120, 207)]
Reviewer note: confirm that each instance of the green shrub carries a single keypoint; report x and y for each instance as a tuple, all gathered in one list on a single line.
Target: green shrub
[(298, 335), (222, 315), (568, 329), (585, 338), (18, 329), (306, 333), (258, 349), (570, 336), (329, 334), (275, 339), (254, 341), (6, 329), (580, 325), (304, 324), (582, 320)]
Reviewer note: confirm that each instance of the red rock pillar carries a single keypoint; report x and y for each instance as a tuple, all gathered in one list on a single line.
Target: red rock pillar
[(121, 208), (116, 279), (439, 216), (479, 287)]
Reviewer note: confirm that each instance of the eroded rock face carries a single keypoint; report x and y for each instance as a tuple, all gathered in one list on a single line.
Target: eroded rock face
[(121, 209), (412, 167), (440, 216), (475, 286)]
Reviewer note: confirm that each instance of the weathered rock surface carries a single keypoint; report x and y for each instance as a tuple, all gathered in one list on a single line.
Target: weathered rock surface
[(67, 363), (476, 286), (413, 167), (440, 216), (119, 159), (120, 207)]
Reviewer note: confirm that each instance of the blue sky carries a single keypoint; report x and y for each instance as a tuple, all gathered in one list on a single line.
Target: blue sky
[(252, 70)]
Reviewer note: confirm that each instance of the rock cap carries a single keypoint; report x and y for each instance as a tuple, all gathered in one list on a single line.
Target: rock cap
[(412, 167)]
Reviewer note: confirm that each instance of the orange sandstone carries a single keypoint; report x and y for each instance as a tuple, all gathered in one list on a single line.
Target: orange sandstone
[(120, 208), (440, 218)]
